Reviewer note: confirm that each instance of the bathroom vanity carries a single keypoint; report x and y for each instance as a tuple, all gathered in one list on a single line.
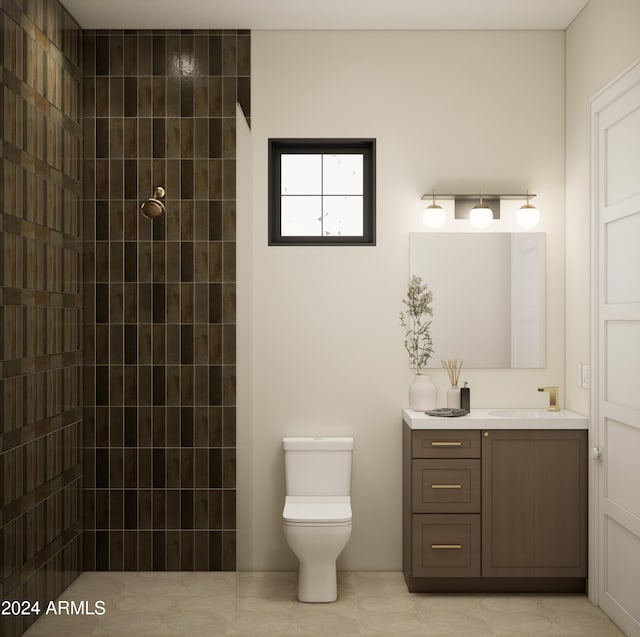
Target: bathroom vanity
[(495, 501)]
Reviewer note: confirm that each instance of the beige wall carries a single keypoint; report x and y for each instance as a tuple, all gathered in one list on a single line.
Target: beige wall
[(455, 110), (602, 41)]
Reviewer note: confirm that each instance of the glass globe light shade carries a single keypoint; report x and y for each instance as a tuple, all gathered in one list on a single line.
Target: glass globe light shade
[(434, 216), (528, 216), (481, 216)]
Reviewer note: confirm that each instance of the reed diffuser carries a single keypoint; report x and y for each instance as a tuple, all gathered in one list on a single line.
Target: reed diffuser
[(453, 367)]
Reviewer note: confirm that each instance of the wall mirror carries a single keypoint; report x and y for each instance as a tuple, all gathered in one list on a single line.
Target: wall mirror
[(488, 296)]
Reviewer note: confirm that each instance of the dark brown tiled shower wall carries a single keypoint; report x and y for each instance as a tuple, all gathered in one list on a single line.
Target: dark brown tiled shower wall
[(159, 332), (40, 305)]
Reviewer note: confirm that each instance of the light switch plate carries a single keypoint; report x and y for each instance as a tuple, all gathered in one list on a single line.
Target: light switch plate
[(586, 376), (579, 378)]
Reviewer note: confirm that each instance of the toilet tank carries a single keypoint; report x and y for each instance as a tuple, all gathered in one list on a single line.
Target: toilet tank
[(317, 466)]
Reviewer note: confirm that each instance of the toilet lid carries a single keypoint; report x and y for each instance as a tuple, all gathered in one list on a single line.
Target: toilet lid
[(319, 509)]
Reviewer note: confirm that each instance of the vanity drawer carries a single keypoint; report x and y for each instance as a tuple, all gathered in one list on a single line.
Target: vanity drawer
[(446, 546), (446, 486), (454, 443)]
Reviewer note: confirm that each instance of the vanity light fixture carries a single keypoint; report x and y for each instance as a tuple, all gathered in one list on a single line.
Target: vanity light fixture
[(481, 215), (528, 216), (434, 215)]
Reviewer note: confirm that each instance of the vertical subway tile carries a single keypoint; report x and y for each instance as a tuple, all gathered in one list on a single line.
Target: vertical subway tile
[(188, 63), (145, 58), (201, 97), (116, 97), (244, 55), (215, 55), (145, 96), (130, 97), (116, 54), (144, 383), (159, 551), (159, 97), (130, 344), (130, 149), (173, 511), (186, 504), (102, 550), (145, 417), (102, 55), (173, 468), (116, 426), (116, 550), (159, 138), (130, 179), (159, 55), (130, 561), (159, 387), (229, 55), (186, 344), (173, 54), (130, 53), (161, 296), (186, 97), (145, 560), (173, 97), (102, 137)]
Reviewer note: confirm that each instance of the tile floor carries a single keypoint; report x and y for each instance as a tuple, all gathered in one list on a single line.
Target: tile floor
[(213, 604)]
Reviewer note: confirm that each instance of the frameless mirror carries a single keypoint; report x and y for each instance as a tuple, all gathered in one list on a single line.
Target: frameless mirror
[(488, 296)]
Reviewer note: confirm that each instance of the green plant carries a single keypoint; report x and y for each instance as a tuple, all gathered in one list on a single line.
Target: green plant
[(416, 324)]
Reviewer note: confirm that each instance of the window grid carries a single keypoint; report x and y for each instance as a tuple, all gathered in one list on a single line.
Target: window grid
[(279, 148)]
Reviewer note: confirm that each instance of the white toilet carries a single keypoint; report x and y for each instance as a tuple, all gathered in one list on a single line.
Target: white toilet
[(317, 510)]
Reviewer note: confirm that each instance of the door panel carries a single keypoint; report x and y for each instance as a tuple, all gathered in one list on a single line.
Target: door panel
[(622, 161), (623, 446), (616, 346), (622, 577), (623, 260), (622, 363)]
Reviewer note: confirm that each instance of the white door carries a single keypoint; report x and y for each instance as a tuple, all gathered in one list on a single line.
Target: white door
[(616, 346)]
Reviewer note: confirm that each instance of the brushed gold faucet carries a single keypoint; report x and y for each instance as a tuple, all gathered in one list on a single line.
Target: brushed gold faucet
[(553, 397)]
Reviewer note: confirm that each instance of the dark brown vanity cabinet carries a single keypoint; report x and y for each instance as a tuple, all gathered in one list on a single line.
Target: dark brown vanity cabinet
[(495, 510)]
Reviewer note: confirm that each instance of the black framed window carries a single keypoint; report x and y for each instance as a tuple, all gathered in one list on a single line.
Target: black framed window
[(322, 192)]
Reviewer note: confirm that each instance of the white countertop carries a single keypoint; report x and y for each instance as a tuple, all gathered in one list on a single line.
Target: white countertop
[(483, 419)]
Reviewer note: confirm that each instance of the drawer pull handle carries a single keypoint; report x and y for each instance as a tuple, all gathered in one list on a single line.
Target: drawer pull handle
[(446, 486), (446, 546), (445, 443)]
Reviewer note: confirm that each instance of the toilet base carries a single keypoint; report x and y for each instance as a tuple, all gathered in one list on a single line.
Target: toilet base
[(317, 583)]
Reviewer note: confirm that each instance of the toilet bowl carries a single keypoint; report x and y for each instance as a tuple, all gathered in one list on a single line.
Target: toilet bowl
[(317, 529), (316, 518)]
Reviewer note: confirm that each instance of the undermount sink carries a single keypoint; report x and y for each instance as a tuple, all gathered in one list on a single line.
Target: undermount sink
[(526, 413)]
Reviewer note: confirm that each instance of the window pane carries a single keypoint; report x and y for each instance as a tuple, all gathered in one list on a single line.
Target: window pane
[(342, 216), (301, 216), (301, 174), (342, 174)]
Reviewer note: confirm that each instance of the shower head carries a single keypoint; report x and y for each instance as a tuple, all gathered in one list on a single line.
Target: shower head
[(153, 207)]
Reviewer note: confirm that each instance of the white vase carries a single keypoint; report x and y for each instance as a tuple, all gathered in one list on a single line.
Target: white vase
[(453, 397), (422, 393)]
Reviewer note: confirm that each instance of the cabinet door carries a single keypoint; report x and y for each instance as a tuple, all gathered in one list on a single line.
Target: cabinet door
[(534, 503)]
